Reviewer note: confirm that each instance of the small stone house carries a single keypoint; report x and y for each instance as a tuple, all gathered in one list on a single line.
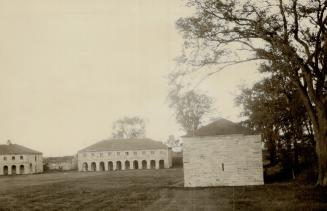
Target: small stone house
[(222, 153), (64, 163), (124, 154), (17, 159)]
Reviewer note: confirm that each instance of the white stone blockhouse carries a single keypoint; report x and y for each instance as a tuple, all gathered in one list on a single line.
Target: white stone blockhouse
[(222, 154), (17, 159), (124, 154)]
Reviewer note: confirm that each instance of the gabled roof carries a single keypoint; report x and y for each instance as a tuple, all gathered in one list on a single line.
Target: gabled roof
[(15, 149), (125, 144), (221, 127)]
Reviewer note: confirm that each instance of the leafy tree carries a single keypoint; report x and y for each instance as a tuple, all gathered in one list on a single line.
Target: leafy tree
[(273, 107), (288, 37), (190, 108), (129, 127), (173, 142)]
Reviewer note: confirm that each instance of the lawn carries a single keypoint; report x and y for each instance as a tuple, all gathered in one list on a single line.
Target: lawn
[(147, 190)]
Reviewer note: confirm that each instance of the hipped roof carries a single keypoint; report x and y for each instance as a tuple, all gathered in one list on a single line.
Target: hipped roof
[(14, 149), (125, 144), (221, 127)]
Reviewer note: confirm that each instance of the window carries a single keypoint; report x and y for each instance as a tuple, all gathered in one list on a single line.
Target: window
[(135, 153), (109, 153), (152, 152), (143, 152), (92, 154), (35, 158), (126, 153), (4, 158), (118, 153), (21, 157), (101, 154), (223, 166), (162, 152), (13, 157), (84, 154)]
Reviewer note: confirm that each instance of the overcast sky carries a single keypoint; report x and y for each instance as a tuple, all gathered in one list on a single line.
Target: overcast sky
[(69, 68)]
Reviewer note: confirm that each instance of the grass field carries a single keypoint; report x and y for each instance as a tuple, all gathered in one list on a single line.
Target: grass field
[(147, 190)]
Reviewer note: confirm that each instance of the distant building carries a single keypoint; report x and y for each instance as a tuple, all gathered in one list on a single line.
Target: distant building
[(17, 159), (123, 154), (178, 148), (61, 163), (222, 154)]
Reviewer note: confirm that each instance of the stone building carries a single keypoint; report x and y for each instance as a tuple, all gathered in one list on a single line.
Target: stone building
[(64, 163), (123, 154), (17, 159), (222, 154)]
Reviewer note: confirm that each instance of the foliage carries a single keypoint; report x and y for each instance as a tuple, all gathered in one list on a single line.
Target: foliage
[(273, 107), (288, 38), (190, 108), (173, 142), (129, 127)]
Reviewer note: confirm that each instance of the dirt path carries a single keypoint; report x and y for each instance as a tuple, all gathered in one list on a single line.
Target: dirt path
[(193, 199)]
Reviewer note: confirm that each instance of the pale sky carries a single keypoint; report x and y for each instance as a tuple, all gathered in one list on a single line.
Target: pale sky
[(69, 68)]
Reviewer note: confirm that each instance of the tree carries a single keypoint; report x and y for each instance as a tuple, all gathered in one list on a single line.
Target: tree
[(190, 108), (172, 142), (273, 107), (289, 38), (129, 127)]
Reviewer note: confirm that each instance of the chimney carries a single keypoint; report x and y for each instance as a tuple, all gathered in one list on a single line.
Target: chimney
[(8, 142)]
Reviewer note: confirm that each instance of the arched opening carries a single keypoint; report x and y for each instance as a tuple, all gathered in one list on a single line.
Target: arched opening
[(127, 165), (22, 169), (110, 166), (144, 164), (152, 164), (93, 166), (161, 164), (136, 164), (101, 166), (85, 167), (5, 170), (13, 169), (118, 165)]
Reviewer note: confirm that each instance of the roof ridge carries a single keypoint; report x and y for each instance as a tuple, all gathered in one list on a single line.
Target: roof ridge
[(221, 127), (16, 149), (125, 144)]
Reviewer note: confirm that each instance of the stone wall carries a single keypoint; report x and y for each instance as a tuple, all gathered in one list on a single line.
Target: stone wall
[(226, 160)]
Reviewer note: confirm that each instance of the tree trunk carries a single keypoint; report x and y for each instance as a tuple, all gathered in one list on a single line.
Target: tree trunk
[(272, 151), (318, 118), (321, 149), (295, 156), (271, 145), (321, 146)]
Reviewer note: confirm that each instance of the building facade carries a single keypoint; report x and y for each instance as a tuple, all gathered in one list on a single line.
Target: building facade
[(65, 163), (124, 154), (221, 157), (17, 159)]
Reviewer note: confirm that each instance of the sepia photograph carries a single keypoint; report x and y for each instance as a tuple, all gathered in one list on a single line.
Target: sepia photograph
[(172, 105)]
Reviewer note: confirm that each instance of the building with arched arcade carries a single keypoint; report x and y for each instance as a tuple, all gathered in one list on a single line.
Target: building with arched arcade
[(17, 159), (124, 154)]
